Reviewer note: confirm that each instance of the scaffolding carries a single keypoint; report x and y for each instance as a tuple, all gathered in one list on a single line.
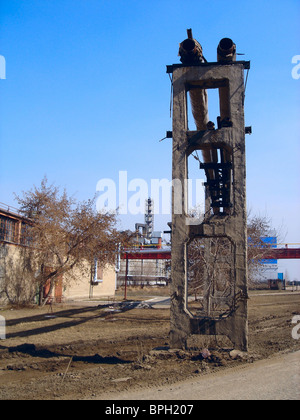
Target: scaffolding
[(144, 268)]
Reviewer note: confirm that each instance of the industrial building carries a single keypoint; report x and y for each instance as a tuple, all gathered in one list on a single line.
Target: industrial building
[(135, 266)]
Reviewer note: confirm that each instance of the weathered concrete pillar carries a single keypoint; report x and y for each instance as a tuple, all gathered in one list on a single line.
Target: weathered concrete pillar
[(229, 182)]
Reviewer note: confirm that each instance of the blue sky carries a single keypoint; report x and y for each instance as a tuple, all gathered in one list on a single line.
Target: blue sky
[(86, 94)]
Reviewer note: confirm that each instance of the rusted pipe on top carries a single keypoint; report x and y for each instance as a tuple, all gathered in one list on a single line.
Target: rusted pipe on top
[(226, 50), (190, 50)]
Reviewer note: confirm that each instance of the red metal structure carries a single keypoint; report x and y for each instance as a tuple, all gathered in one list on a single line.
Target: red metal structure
[(161, 254), (283, 254), (155, 254)]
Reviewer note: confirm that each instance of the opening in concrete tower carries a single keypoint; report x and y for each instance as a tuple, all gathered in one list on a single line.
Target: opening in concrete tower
[(210, 277)]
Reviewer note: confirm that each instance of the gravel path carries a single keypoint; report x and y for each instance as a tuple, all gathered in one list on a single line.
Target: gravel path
[(277, 378)]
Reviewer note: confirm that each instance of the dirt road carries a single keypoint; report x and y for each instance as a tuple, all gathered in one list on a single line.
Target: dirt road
[(100, 351), (277, 378)]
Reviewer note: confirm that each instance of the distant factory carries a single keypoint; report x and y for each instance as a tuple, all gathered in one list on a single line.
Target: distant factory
[(145, 271)]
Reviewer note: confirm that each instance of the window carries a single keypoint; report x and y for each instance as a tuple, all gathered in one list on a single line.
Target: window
[(99, 271), (97, 274), (25, 238), (8, 229)]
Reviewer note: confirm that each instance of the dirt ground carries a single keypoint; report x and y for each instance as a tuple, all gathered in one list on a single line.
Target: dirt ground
[(81, 352)]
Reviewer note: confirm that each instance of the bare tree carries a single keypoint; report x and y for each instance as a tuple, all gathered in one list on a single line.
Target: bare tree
[(258, 229), (65, 234)]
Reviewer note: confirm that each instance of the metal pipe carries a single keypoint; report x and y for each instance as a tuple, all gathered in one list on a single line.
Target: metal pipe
[(226, 50), (190, 50), (191, 53)]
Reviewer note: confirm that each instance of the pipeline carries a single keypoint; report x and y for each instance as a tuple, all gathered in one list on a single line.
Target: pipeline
[(226, 52), (191, 53)]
